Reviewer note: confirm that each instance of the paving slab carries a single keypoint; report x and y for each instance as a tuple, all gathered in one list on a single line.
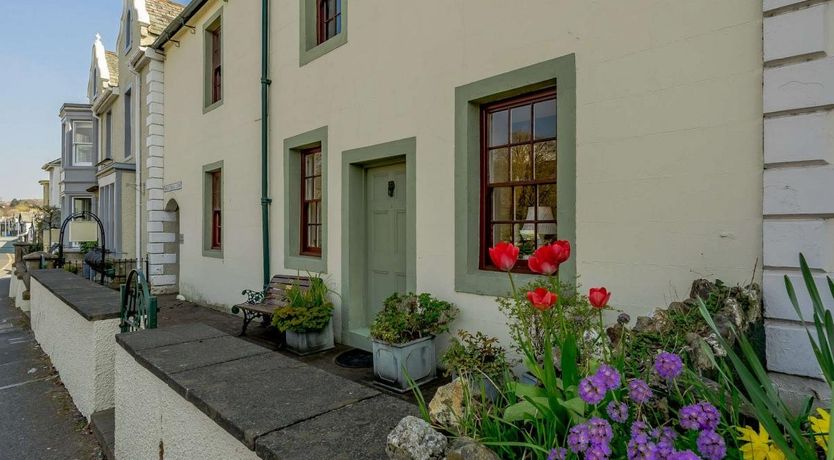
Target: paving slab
[(168, 335), (355, 431), (251, 397)]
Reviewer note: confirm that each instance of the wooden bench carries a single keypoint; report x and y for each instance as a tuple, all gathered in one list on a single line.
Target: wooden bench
[(261, 304)]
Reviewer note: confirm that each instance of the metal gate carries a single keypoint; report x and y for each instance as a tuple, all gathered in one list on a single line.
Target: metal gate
[(138, 305)]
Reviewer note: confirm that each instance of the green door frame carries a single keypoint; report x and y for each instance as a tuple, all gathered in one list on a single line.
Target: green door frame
[(354, 263)]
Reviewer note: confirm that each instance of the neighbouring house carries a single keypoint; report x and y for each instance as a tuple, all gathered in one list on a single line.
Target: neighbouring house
[(79, 151)]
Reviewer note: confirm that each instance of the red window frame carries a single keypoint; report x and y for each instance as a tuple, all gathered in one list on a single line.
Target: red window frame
[(311, 223), (328, 12), (216, 210), (216, 65), (487, 221)]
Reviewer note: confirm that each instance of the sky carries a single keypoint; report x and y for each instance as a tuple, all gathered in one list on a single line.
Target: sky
[(45, 51)]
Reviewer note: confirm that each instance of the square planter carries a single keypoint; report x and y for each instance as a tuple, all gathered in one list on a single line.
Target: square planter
[(392, 362), (307, 343)]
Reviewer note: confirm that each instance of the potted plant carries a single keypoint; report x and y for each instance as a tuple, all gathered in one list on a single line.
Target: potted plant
[(402, 339), (479, 359), (306, 318)]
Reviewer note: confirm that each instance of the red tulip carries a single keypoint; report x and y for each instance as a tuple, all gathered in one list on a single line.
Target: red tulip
[(546, 259), (504, 255), (599, 297), (542, 299)]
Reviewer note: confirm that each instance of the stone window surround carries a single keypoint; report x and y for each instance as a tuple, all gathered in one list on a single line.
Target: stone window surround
[(293, 147), (309, 49), (559, 72), (207, 214), (212, 23)]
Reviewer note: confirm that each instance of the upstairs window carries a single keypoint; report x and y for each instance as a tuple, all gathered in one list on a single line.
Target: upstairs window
[(216, 66), (329, 19), (216, 210), (213, 65), (128, 124), (311, 223), (82, 143), (518, 167)]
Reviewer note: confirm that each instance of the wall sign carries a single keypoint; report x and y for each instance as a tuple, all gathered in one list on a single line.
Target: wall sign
[(171, 187)]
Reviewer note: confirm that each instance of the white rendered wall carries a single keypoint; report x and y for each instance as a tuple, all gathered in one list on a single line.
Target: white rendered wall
[(81, 350), (13, 282), (799, 173), (20, 288), (149, 414)]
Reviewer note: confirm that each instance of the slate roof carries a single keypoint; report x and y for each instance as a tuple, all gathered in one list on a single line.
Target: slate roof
[(161, 12), (112, 67)]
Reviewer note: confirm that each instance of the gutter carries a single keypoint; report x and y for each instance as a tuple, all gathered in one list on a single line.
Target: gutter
[(265, 82), (178, 23)]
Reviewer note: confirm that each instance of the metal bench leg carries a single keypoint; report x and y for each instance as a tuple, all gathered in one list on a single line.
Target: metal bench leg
[(247, 318)]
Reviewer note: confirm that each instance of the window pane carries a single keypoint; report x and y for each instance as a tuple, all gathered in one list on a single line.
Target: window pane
[(499, 165), (308, 165), (83, 154), (83, 132), (317, 188), (545, 119), (502, 232), (525, 239), (317, 164), (339, 23), (525, 202), (318, 236), (520, 117), (338, 6), (502, 203), (545, 160), (547, 196), (308, 189), (331, 28), (522, 165), (498, 128)]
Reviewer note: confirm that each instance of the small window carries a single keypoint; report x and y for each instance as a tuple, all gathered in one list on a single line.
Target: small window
[(311, 223), (82, 205), (518, 168), (329, 19), (128, 29), (216, 66), (213, 63), (128, 124), (216, 210), (82, 143), (108, 135)]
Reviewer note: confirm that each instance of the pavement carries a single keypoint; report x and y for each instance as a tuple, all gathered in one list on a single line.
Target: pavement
[(37, 417)]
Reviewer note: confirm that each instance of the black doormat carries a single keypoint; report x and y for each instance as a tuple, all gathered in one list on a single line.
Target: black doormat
[(355, 359)]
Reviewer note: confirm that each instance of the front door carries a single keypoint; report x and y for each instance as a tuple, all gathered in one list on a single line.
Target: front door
[(386, 235)]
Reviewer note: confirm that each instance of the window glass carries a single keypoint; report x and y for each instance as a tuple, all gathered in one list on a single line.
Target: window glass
[(82, 143), (329, 19), (311, 196)]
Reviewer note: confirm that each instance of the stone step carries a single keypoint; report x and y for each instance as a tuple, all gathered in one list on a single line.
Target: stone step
[(104, 428)]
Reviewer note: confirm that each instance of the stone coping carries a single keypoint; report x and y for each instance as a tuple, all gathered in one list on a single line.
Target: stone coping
[(275, 405), (92, 301)]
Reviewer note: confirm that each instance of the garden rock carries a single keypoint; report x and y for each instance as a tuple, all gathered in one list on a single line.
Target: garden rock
[(414, 439), (701, 288), (469, 449), (446, 408)]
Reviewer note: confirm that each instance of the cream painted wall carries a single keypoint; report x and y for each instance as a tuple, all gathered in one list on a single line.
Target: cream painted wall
[(230, 132), (669, 133)]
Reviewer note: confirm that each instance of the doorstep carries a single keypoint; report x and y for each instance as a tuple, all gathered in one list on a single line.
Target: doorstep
[(276, 406)]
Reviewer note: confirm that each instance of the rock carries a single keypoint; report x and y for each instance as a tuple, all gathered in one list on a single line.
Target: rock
[(700, 352), (701, 288), (732, 309), (414, 439), (469, 449), (644, 324), (615, 334), (446, 408), (680, 308)]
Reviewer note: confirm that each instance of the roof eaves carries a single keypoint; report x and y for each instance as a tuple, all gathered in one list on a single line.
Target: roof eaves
[(177, 23)]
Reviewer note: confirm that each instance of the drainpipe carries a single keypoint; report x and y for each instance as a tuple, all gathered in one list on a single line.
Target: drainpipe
[(265, 82)]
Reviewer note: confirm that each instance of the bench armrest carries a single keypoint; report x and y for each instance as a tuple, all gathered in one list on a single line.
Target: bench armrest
[(254, 296)]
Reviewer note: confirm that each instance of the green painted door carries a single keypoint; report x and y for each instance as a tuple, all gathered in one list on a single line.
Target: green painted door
[(386, 235)]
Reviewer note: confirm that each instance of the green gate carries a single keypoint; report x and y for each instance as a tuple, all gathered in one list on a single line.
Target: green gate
[(138, 305)]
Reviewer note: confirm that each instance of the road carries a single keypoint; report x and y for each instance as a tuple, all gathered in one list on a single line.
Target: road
[(6, 255), (37, 417)]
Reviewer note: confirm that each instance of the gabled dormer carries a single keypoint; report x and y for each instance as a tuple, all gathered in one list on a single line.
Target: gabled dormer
[(104, 71), (142, 21)]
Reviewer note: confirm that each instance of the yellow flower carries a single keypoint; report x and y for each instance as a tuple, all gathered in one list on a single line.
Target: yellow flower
[(758, 445), (820, 426)]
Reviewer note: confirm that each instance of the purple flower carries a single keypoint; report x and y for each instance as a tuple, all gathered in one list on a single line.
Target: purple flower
[(579, 438), (639, 391), (609, 376), (598, 452), (592, 389), (639, 447), (683, 455), (668, 365), (599, 431), (711, 445), (664, 433), (663, 450), (617, 411), (700, 416), (558, 453), (639, 427)]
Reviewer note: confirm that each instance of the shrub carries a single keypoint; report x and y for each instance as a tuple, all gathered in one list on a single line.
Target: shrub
[(306, 309), (408, 317), (475, 354)]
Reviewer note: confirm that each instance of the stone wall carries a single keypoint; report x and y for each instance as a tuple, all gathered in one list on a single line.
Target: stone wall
[(798, 171)]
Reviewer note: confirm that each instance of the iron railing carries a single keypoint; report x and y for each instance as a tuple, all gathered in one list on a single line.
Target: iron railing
[(115, 273)]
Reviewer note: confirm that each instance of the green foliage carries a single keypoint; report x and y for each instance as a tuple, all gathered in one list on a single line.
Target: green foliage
[(475, 354), (306, 309), (87, 246), (408, 317), (787, 429), (72, 268)]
